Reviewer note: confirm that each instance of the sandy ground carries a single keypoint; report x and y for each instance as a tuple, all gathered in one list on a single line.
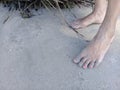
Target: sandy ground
[(37, 53)]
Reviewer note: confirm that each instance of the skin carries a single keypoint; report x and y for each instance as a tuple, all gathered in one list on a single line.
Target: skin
[(94, 53), (96, 17)]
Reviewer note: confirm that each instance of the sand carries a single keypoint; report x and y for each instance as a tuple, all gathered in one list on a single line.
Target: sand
[(37, 53)]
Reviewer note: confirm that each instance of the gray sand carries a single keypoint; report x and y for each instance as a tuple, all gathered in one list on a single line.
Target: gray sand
[(37, 53)]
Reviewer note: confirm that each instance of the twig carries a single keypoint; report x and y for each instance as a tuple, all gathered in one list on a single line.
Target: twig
[(78, 34)]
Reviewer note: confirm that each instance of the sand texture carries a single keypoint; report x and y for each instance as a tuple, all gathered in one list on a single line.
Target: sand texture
[(37, 53)]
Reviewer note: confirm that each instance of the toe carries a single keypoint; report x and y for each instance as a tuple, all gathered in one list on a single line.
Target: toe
[(91, 64), (78, 59), (82, 61), (86, 63), (97, 62), (75, 24)]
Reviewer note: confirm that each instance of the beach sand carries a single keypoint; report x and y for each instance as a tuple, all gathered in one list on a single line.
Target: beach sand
[(37, 53)]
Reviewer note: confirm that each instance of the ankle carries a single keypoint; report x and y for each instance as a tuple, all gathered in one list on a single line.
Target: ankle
[(106, 33), (99, 16)]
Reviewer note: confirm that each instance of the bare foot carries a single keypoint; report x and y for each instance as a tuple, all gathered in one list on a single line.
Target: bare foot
[(94, 53), (93, 18)]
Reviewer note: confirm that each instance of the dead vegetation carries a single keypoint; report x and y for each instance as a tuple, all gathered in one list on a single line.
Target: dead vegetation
[(24, 6)]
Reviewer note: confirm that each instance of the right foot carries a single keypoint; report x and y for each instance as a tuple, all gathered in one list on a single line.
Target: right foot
[(94, 53), (93, 18)]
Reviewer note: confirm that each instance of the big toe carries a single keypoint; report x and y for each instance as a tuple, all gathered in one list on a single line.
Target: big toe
[(76, 25), (78, 59)]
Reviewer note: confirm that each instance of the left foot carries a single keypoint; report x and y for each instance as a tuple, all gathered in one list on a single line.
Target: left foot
[(94, 53), (92, 18), (96, 17)]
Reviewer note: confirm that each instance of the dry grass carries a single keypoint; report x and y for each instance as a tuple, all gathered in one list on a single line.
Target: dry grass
[(24, 6)]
